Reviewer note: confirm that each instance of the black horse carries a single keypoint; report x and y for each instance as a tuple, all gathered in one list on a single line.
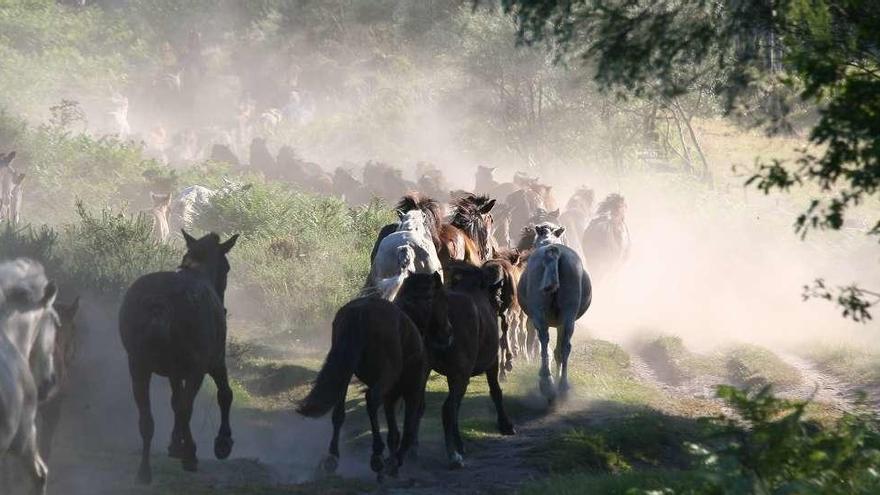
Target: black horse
[(383, 344), (173, 324), (474, 350)]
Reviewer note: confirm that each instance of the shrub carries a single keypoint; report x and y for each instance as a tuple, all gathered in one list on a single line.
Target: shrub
[(772, 448), (107, 253)]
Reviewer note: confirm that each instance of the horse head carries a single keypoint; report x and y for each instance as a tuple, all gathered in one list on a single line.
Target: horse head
[(208, 257), (472, 214), (548, 233)]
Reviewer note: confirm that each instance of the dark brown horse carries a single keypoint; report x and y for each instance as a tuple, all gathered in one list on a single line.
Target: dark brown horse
[(474, 349), (173, 324), (505, 302), (383, 346), (49, 412)]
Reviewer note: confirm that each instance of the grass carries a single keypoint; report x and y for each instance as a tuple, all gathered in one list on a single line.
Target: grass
[(754, 366), (673, 363), (650, 481)]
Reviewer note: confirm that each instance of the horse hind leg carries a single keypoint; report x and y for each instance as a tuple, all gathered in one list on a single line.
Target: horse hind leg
[(191, 386), (223, 442), (565, 345), (140, 384), (175, 447), (545, 378), (331, 462), (33, 463), (374, 399), (505, 426), (393, 438)]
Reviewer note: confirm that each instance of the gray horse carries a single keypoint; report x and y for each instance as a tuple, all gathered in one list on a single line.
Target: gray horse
[(390, 260), (554, 291), (28, 324)]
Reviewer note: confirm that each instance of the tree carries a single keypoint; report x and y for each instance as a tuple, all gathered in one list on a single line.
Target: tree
[(825, 52)]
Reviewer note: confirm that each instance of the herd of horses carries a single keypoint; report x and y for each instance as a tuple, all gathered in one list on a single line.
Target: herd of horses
[(448, 291)]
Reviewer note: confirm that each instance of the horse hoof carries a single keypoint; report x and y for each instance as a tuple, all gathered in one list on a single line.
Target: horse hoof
[(175, 451), (190, 465), (502, 377), (506, 429), (413, 454), (548, 390), (222, 446), (377, 464), (329, 464), (508, 366), (456, 461), (392, 467), (145, 476)]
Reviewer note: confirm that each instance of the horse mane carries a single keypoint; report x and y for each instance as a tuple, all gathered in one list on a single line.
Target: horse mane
[(467, 217), (610, 203), (431, 209), (23, 280)]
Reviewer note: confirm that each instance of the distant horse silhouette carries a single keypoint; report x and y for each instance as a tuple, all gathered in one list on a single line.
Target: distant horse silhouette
[(474, 349), (10, 189), (522, 206), (606, 241), (577, 213), (554, 291), (49, 414), (28, 324), (173, 324), (383, 344)]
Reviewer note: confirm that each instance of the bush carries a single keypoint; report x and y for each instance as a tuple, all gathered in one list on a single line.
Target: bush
[(304, 255), (772, 448), (107, 253)]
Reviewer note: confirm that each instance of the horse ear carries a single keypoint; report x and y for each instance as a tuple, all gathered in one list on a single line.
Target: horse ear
[(190, 240), (554, 213), (493, 275), (438, 279), (486, 208), (5, 160), (400, 214), (229, 244), (49, 294), (558, 232)]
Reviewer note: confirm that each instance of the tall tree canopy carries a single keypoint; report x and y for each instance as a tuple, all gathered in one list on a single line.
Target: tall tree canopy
[(766, 58)]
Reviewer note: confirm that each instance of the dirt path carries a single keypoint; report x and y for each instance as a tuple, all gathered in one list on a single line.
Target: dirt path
[(825, 388)]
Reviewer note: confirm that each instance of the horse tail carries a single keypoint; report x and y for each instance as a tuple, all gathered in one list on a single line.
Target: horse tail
[(342, 360), (550, 283)]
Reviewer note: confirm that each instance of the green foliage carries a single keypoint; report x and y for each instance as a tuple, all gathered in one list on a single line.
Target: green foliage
[(823, 51), (772, 448), (29, 242), (301, 265), (107, 253)]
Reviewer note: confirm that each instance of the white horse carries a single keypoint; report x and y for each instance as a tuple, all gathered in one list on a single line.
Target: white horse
[(193, 198), (120, 114), (28, 323), (409, 249), (10, 189)]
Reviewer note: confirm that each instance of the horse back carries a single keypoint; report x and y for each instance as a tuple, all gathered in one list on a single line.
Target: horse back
[(173, 322)]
